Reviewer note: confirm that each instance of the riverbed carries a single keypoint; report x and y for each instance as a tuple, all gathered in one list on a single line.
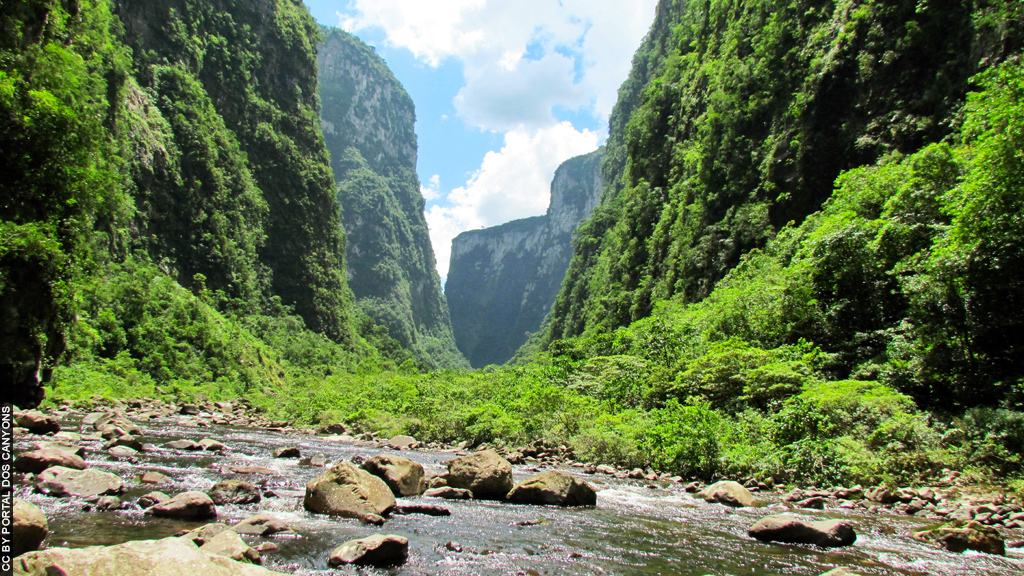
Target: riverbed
[(637, 527)]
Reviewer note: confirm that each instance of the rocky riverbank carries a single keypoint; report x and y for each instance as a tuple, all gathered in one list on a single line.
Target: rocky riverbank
[(55, 463)]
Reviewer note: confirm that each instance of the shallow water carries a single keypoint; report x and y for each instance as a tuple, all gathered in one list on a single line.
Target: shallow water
[(635, 529)]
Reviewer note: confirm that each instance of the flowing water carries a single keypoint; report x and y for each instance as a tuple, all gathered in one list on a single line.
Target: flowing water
[(636, 528)]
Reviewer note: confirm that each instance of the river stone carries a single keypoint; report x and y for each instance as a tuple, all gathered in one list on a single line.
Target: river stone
[(93, 417), (426, 509), (65, 448), (229, 544), (151, 498), (350, 492), (38, 460), (204, 533), (185, 445), (376, 550), (841, 572), (186, 506), (316, 461), (286, 452), (729, 493), (234, 492), (28, 529), (791, 530), (167, 557), (36, 422), (553, 488), (211, 445), (402, 442), (403, 476), (61, 481), (449, 493), (251, 470), (122, 452), (152, 477), (486, 474), (127, 440), (261, 524), (959, 536)]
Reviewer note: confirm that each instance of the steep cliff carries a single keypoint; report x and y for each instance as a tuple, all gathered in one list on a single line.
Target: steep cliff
[(368, 120), (738, 117), (503, 280)]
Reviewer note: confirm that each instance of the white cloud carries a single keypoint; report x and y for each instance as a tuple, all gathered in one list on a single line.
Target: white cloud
[(510, 184), (432, 190), (520, 59)]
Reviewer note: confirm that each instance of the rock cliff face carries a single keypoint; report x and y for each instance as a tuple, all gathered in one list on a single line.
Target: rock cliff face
[(367, 120), (503, 280)]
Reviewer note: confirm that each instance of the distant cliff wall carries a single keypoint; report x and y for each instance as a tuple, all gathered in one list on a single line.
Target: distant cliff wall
[(503, 280)]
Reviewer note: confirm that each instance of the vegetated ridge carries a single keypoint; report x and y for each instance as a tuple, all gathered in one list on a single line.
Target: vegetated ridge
[(503, 280), (368, 120)]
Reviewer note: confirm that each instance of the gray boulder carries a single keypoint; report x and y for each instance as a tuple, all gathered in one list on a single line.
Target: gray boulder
[(403, 476), (350, 492), (486, 474), (791, 530), (234, 492), (261, 524), (729, 493), (553, 488), (230, 545), (377, 550), (192, 505), (167, 557), (61, 481), (28, 528)]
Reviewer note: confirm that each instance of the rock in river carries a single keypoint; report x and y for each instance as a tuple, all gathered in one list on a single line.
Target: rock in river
[(230, 545), (186, 506), (350, 492), (234, 492), (261, 524), (376, 550), (791, 530), (959, 536), (486, 474), (553, 488), (61, 481), (29, 528), (36, 461), (36, 422), (403, 476), (167, 557), (729, 493)]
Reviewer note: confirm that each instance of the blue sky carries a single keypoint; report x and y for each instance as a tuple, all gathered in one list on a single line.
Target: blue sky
[(505, 91)]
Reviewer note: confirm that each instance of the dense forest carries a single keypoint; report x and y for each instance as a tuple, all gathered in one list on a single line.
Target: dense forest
[(807, 262)]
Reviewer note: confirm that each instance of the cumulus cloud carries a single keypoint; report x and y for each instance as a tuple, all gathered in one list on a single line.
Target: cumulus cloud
[(432, 190), (512, 183), (520, 59)]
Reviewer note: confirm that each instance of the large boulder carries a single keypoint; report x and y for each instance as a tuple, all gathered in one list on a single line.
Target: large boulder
[(36, 461), (402, 442), (553, 488), (729, 493), (61, 481), (959, 536), (376, 550), (791, 530), (486, 474), (192, 505), (167, 557), (28, 529), (65, 445), (262, 524), (403, 476), (230, 545), (350, 492), (234, 492), (36, 422)]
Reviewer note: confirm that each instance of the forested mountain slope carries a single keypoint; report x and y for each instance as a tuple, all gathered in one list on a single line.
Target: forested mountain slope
[(503, 280), (149, 146), (738, 116), (368, 121)]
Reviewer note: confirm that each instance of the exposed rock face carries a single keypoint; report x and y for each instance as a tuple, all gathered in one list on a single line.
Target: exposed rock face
[(60, 481), (553, 488), (792, 530), (403, 476), (349, 492), (503, 280), (376, 550), (368, 124), (167, 557), (486, 474), (29, 527)]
